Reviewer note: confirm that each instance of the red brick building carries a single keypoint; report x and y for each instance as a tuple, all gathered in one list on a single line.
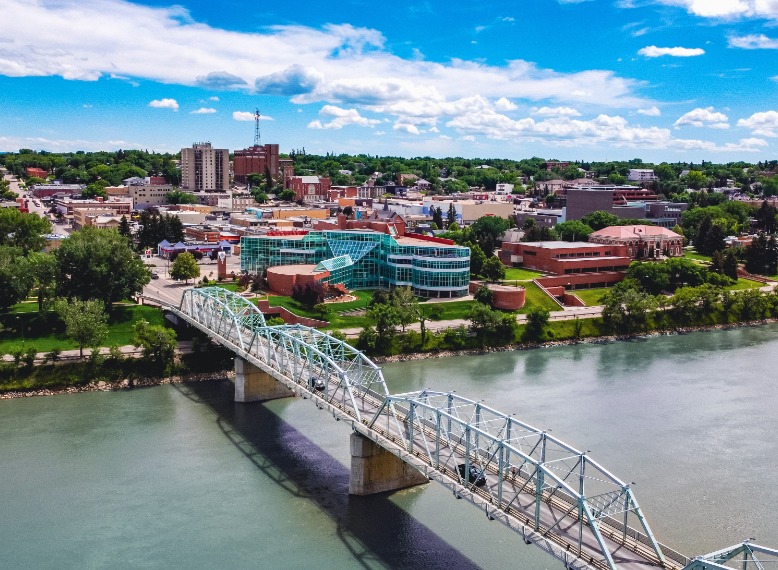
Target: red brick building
[(255, 160), (641, 242), (36, 172), (565, 258), (310, 189)]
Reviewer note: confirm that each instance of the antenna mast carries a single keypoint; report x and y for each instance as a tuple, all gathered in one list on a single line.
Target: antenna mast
[(257, 137)]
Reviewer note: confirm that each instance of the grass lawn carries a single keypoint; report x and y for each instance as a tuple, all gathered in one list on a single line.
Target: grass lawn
[(591, 296), (334, 317), (447, 311), (46, 332), (537, 298), (743, 283), (229, 286), (691, 254), (520, 274)]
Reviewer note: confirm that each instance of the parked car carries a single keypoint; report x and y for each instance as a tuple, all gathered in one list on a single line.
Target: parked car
[(316, 383), (154, 275), (475, 477)]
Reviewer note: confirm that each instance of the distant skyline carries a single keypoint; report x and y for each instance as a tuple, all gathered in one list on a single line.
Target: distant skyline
[(661, 80)]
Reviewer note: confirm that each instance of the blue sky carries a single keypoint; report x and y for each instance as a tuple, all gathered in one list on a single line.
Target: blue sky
[(675, 80)]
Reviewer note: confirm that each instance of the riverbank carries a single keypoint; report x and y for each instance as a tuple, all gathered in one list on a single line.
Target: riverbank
[(125, 384), (409, 357)]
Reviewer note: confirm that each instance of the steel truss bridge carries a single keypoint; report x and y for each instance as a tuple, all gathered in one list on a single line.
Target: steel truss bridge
[(549, 492)]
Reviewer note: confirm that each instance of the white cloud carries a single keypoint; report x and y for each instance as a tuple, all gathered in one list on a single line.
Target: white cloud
[(341, 118), (214, 98), (203, 111), (728, 9), (652, 111), (503, 104), (249, 116), (753, 41), (336, 64), (164, 104), (613, 131), (86, 106), (704, 118), (555, 112), (764, 124), (653, 51), (65, 145), (406, 128)]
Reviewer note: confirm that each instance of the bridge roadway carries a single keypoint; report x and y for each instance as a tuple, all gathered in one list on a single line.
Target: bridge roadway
[(551, 494)]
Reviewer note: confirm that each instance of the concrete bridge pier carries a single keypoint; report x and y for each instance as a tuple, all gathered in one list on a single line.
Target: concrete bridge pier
[(375, 470), (253, 384)]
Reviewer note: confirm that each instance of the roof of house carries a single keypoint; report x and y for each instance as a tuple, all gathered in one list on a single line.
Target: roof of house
[(626, 232)]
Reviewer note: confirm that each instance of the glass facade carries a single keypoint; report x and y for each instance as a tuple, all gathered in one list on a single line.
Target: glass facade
[(366, 260)]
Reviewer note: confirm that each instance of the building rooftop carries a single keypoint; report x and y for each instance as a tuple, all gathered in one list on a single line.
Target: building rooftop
[(565, 244), (635, 231)]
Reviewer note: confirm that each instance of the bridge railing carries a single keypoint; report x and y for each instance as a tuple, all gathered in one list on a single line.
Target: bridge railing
[(519, 468), (298, 353)]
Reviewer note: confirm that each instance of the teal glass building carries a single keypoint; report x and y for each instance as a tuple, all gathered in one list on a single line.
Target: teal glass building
[(366, 260)]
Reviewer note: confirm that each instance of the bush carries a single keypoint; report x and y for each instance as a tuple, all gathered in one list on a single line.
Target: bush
[(484, 295)]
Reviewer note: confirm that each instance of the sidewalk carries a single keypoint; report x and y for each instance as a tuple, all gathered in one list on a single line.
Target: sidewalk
[(184, 347), (568, 314)]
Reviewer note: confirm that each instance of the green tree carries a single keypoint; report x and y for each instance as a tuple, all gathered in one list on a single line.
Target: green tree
[(159, 344), (43, 269), (600, 219), (99, 264), (484, 295), (405, 305), (24, 231), (437, 217), (537, 321), (124, 228), (85, 322), (477, 260), (487, 231), (16, 280), (493, 270), (177, 196), (386, 321), (287, 196), (573, 230), (492, 328), (185, 267), (451, 216)]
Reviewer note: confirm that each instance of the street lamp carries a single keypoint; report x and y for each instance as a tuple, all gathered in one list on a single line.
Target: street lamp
[(21, 322)]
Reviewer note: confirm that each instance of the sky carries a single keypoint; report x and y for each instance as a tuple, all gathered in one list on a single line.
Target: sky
[(593, 80)]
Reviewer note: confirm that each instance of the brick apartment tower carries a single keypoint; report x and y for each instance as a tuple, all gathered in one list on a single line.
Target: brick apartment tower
[(256, 160), (204, 168)]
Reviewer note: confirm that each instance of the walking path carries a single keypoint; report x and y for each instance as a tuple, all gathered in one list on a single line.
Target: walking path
[(129, 351)]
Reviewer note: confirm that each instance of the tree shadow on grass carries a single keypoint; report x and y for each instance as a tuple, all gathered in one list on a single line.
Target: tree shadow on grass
[(375, 530)]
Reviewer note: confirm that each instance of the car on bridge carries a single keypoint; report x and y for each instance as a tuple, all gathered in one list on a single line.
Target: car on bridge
[(316, 383), (475, 476)]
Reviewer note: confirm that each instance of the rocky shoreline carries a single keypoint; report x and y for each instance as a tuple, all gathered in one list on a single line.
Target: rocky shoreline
[(102, 386)]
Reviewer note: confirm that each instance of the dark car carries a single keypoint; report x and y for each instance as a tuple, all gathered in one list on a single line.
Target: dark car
[(475, 477), (316, 383)]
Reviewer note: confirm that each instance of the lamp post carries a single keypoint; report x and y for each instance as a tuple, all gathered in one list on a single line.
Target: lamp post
[(21, 323)]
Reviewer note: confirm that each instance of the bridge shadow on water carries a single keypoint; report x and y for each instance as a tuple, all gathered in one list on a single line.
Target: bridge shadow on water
[(375, 530)]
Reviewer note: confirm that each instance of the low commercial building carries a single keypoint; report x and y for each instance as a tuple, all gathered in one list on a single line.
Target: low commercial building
[(363, 259), (566, 258)]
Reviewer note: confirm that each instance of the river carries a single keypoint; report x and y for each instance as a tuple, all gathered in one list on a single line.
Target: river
[(181, 477)]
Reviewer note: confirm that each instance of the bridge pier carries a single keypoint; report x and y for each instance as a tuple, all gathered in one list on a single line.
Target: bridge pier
[(253, 384), (375, 470)]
